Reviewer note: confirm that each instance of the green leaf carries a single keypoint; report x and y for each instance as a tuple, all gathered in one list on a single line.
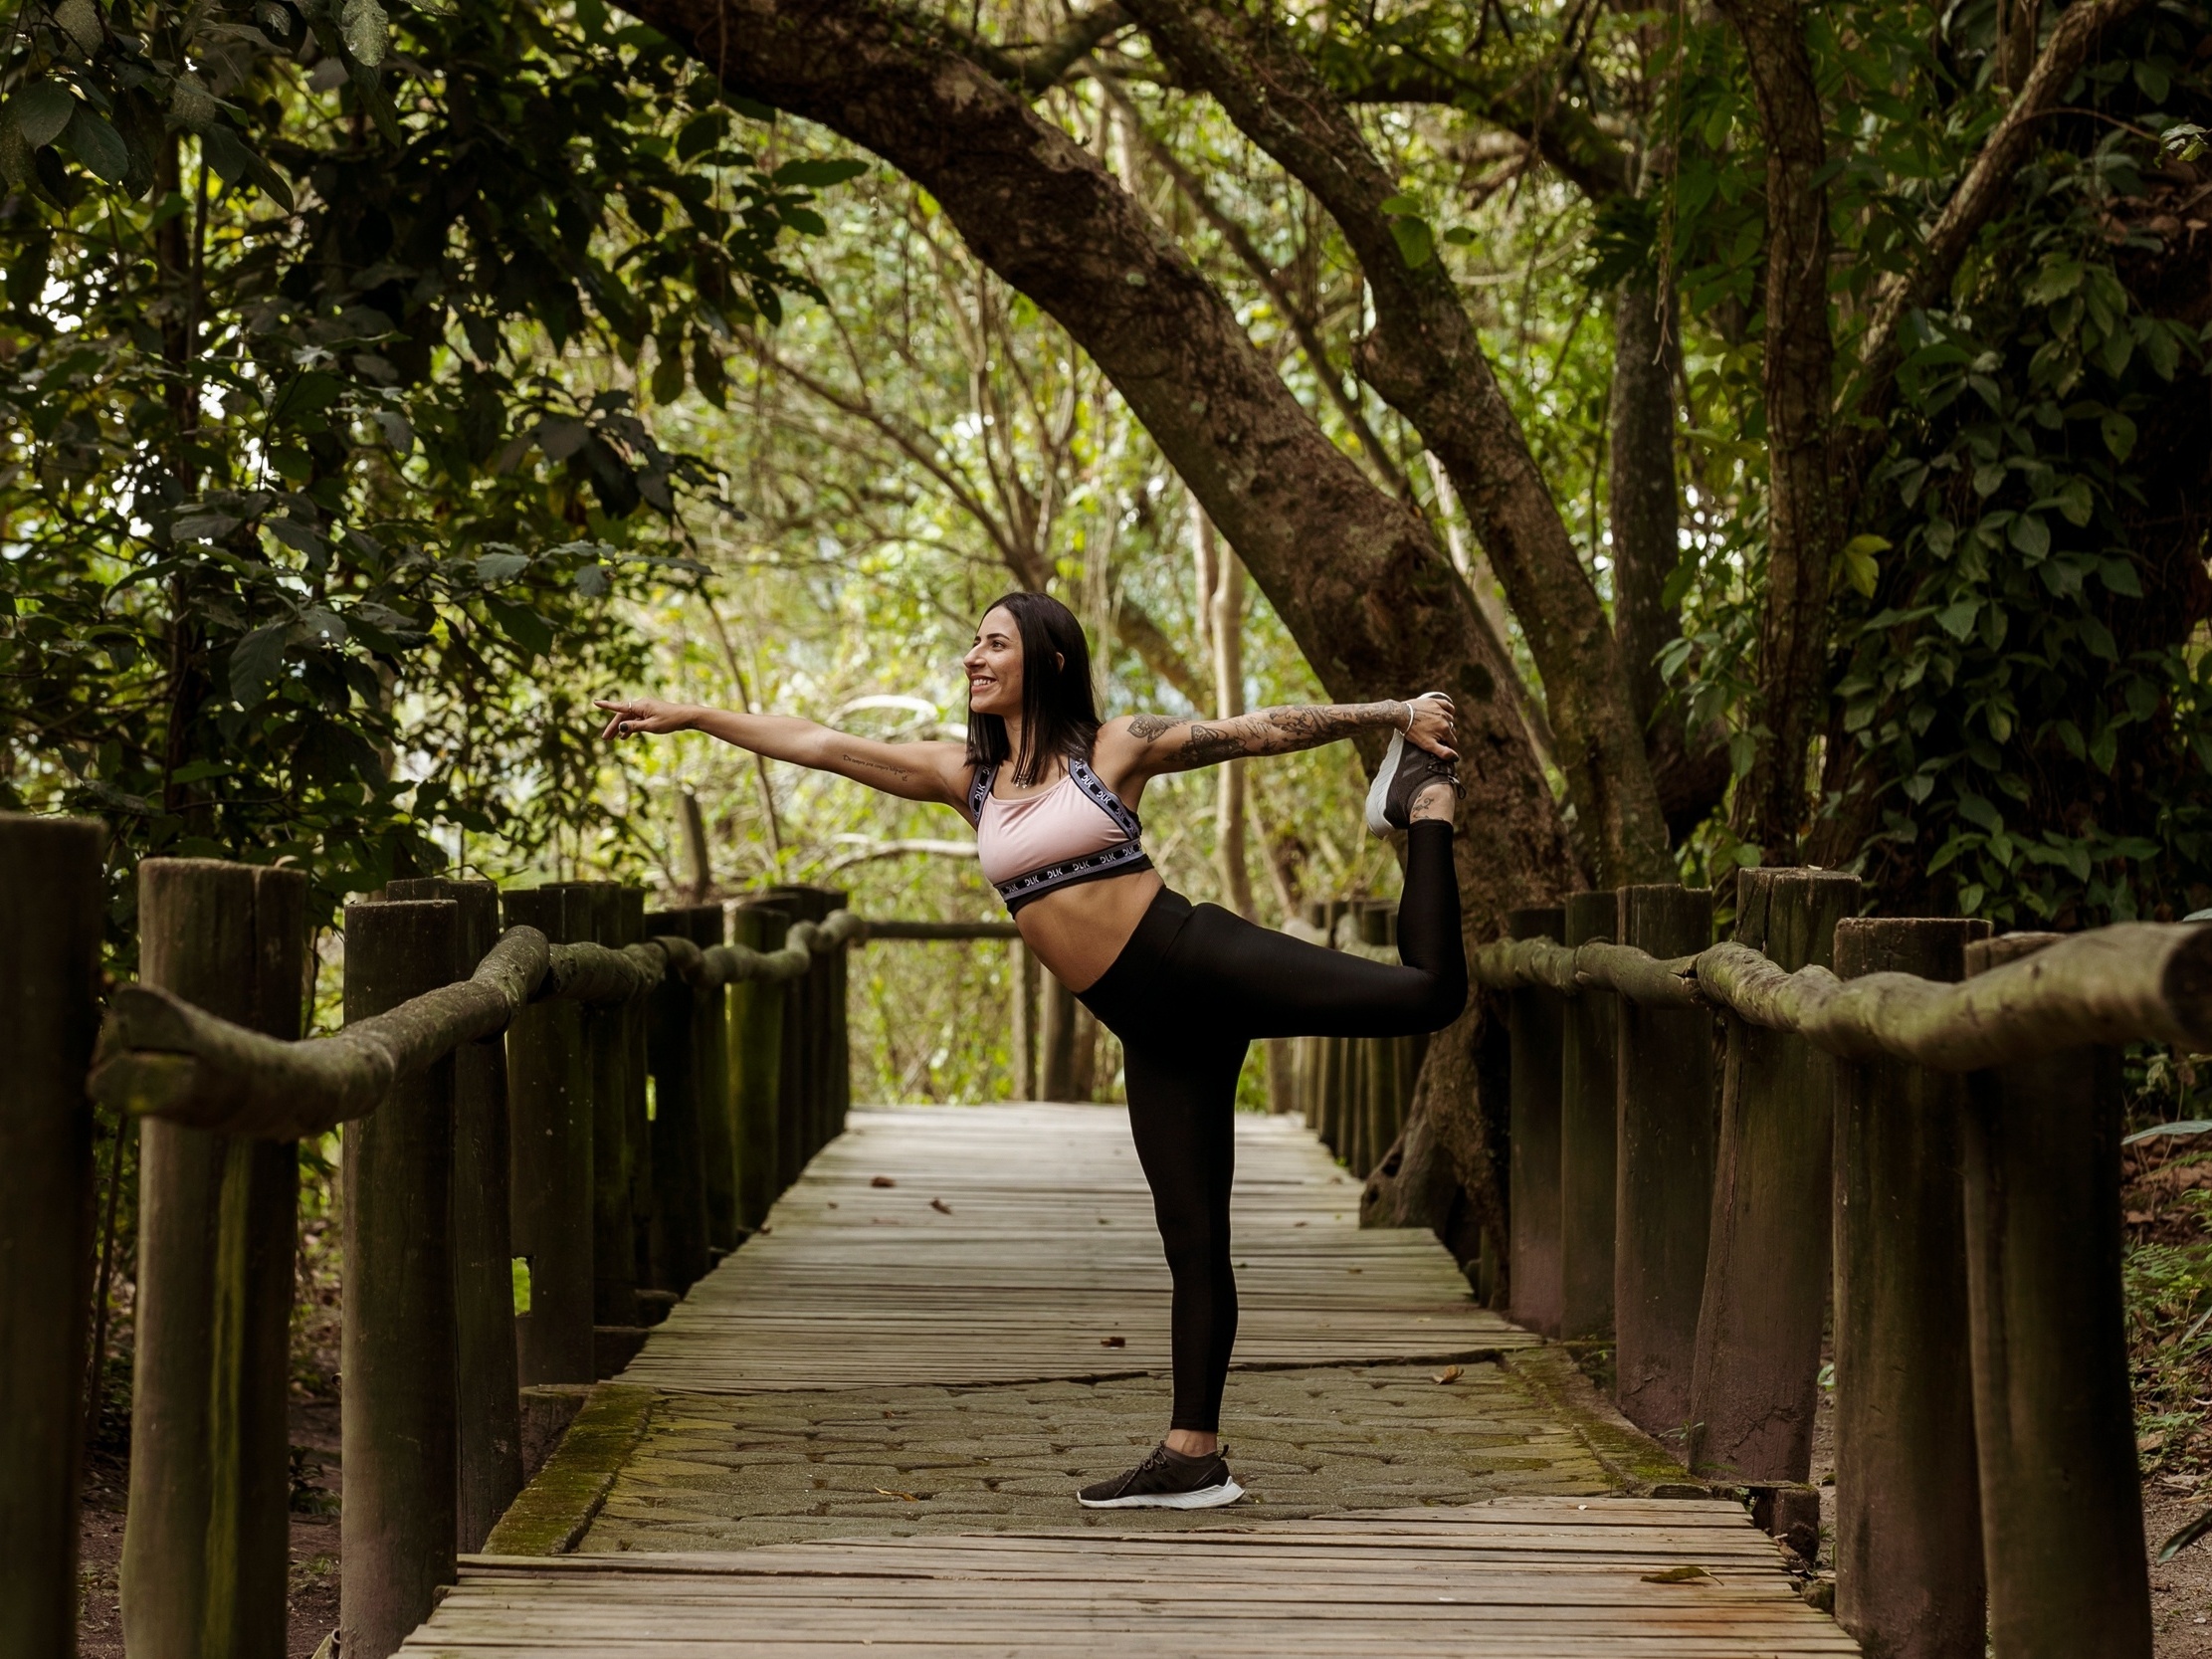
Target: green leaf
[(2031, 536), (1957, 620), (366, 30), (817, 175), (1416, 245), (2119, 434), (1975, 809), (1402, 203), (229, 156), (98, 146), (1744, 751), (1855, 565), (2119, 576), (522, 625), (303, 397), (255, 660), (591, 581), (498, 570), (41, 111), (2054, 281)]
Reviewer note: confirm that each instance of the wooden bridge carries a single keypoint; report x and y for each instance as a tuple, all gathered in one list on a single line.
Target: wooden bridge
[(865, 1428), (563, 1118)]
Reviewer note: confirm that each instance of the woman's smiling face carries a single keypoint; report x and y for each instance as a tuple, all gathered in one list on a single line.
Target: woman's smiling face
[(993, 666)]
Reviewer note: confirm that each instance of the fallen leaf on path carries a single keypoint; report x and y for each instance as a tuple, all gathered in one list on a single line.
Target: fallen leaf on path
[(1450, 1373), (884, 1491), (1114, 1342), (1677, 1575), (940, 1206), (880, 1181)]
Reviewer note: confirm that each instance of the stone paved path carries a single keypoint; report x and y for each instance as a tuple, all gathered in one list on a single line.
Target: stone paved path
[(960, 1313)]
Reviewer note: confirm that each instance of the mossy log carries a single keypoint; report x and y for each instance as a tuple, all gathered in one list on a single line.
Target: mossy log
[(2130, 983)]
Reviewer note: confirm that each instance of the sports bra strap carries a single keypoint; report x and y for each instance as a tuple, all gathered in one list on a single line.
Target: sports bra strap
[(1109, 803), (980, 790)]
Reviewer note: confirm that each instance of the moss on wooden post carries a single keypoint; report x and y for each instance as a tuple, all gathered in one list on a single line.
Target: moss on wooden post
[(1665, 1174), (1756, 1381), (679, 1169), (757, 1047), (718, 1137), (2061, 1498), (205, 1544), (1588, 1129), (49, 927), (1909, 1563), (837, 967), (1535, 1020), (637, 1021), (397, 1347), (549, 1114)]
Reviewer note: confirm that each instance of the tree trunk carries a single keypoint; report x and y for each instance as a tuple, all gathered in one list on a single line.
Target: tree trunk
[(1804, 524), (1645, 517)]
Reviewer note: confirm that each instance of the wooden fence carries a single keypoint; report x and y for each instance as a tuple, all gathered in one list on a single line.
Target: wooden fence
[(1910, 1120), (557, 1111)]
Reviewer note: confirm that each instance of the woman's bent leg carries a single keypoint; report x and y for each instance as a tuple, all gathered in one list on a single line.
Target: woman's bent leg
[(1182, 1110)]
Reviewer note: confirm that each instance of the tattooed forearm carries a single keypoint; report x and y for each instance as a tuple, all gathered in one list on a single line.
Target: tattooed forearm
[(1266, 731), (865, 764)]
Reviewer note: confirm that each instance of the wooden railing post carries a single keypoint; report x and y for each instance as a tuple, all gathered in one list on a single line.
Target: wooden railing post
[(1756, 1381), (1665, 1174), (550, 1113), (1909, 1563), (679, 1165), (837, 970), (1535, 1021), (1588, 1131), (2061, 1495), (718, 1138), (755, 1054), (49, 927), (489, 1455), (397, 1346), (206, 1542), (609, 1047), (637, 1131)]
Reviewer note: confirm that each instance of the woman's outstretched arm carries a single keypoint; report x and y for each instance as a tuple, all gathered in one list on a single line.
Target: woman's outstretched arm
[(1156, 743), (918, 771)]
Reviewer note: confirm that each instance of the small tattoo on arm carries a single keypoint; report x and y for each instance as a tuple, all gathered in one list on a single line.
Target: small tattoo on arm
[(1208, 744), (865, 764)]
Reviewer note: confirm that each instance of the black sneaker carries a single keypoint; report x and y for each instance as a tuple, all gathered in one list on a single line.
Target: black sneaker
[(1406, 770), (1167, 1480)]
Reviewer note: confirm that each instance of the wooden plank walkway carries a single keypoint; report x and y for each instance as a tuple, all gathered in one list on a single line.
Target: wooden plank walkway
[(1009, 1277)]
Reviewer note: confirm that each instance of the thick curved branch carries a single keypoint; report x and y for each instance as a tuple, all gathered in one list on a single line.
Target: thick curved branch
[(1355, 575), (1427, 360)]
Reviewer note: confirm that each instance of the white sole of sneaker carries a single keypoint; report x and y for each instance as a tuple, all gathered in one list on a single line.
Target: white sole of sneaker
[(1205, 1497), (1378, 792)]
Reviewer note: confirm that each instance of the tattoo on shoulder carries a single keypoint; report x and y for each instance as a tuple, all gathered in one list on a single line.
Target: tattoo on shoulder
[(1145, 727)]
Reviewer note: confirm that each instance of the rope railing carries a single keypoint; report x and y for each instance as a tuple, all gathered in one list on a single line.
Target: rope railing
[(2130, 982), (161, 1057)]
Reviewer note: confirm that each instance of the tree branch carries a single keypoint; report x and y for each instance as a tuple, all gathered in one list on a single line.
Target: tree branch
[(1427, 360)]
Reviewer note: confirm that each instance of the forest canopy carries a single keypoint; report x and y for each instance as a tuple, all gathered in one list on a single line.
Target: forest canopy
[(1780, 425)]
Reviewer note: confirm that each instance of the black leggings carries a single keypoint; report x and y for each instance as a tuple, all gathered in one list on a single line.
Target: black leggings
[(1186, 995)]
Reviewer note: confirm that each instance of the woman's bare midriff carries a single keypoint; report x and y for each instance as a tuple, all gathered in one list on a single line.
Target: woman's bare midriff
[(1079, 931)]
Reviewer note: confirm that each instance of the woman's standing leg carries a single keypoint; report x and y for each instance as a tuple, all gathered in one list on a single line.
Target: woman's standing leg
[(1182, 1094)]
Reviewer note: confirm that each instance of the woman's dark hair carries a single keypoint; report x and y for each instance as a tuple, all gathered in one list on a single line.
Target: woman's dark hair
[(1060, 716)]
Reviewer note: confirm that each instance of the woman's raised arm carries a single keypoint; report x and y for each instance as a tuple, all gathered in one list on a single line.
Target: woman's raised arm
[(1158, 743), (918, 771)]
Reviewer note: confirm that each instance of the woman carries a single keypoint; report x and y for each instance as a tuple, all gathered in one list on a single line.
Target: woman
[(1052, 791)]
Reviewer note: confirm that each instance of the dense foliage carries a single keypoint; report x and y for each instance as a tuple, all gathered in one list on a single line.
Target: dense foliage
[(312, 535)]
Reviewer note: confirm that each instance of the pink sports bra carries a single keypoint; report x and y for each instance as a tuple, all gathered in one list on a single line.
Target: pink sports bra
[(1076, 831)]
